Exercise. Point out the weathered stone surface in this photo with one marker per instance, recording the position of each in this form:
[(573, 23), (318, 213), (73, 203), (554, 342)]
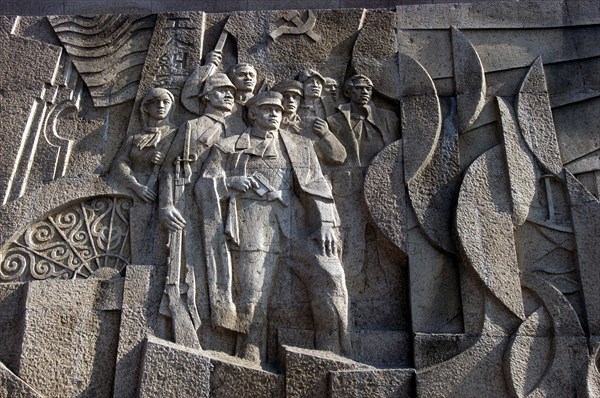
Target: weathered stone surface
[(69, 344), (321, 199), (473, 373), (504, 14), (520, 162), (173, 370), (232, 376), (584, 210), (485, 228), (470, 80), (373, 383), (11, 386), (535, 119), (307, 371), (137, 321)]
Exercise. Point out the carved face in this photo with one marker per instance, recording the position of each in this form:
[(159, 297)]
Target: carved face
[(244, 78), (360, 94), (266, 117), (312, 87), (291, 102), (331, 88), (159, 107), (221, 98)]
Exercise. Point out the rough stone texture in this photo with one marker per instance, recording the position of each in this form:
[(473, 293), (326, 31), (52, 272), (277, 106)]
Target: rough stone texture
[(69, 338), (377, 383), (231, 377), (413, 213), (11, 386), (307, 371), (187, 372)]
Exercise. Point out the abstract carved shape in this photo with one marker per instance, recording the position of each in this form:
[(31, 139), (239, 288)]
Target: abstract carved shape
[(108, 51), (433, 191), (420, 116), (70, 243), (520, 161), (299, 27), (375, 52), (469, 78), (535, 118), (485, 228), (385, 194), (553, 349), (585, 211), (431, 163)]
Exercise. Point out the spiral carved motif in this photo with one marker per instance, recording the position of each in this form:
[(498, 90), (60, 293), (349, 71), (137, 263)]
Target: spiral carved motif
[(70, 243)]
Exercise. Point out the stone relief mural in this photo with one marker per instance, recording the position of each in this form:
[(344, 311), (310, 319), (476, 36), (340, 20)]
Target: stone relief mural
[(317, 203)]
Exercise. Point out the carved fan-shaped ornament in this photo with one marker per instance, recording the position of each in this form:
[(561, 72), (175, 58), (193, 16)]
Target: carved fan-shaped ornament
[(71, 243)]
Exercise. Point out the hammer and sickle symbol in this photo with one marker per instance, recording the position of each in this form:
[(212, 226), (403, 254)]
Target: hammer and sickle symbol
[(299, 27)]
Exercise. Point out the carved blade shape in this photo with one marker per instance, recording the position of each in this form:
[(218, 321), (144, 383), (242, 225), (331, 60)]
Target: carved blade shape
[(420, 115), (585, 211), (535, 119), (485, 229), (521, 166), (469, 78), (385, 194)]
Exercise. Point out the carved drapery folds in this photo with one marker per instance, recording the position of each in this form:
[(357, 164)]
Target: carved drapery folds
[(72, 243)]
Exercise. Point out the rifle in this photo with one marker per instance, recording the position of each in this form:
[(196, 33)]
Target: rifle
[(186, 320)]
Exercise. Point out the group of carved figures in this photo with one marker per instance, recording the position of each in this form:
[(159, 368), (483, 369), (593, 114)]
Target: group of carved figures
[(270, 179)]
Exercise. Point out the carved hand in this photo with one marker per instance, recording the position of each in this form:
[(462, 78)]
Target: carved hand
[(214, 57), (320, 127), (145, 193), (158, 157), (171, 218), (242, 183), (327, 239)]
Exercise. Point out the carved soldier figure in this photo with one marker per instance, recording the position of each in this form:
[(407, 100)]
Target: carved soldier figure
[(179, 211), (327, 146), (243, 76), (312, 105), (364, 130), (330, 89), (255, 183)]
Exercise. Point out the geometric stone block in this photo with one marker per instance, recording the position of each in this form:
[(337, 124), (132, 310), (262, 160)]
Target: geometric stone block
[(11, 321), (170, 369), (69, 339), (233, 377), (372, 383), (307, 371), (133, 330)]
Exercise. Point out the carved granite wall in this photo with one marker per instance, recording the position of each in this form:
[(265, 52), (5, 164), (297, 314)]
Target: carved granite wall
[(306, 203)]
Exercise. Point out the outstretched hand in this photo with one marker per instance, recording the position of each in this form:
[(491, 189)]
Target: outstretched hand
[(327, 239)]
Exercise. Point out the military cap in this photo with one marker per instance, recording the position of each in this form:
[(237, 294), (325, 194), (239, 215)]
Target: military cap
[(215, 81), (307, 73), (289, 86), (265, 98)]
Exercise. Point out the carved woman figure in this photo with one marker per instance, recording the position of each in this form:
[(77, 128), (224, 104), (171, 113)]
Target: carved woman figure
[(140, 160), (137, 168)]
